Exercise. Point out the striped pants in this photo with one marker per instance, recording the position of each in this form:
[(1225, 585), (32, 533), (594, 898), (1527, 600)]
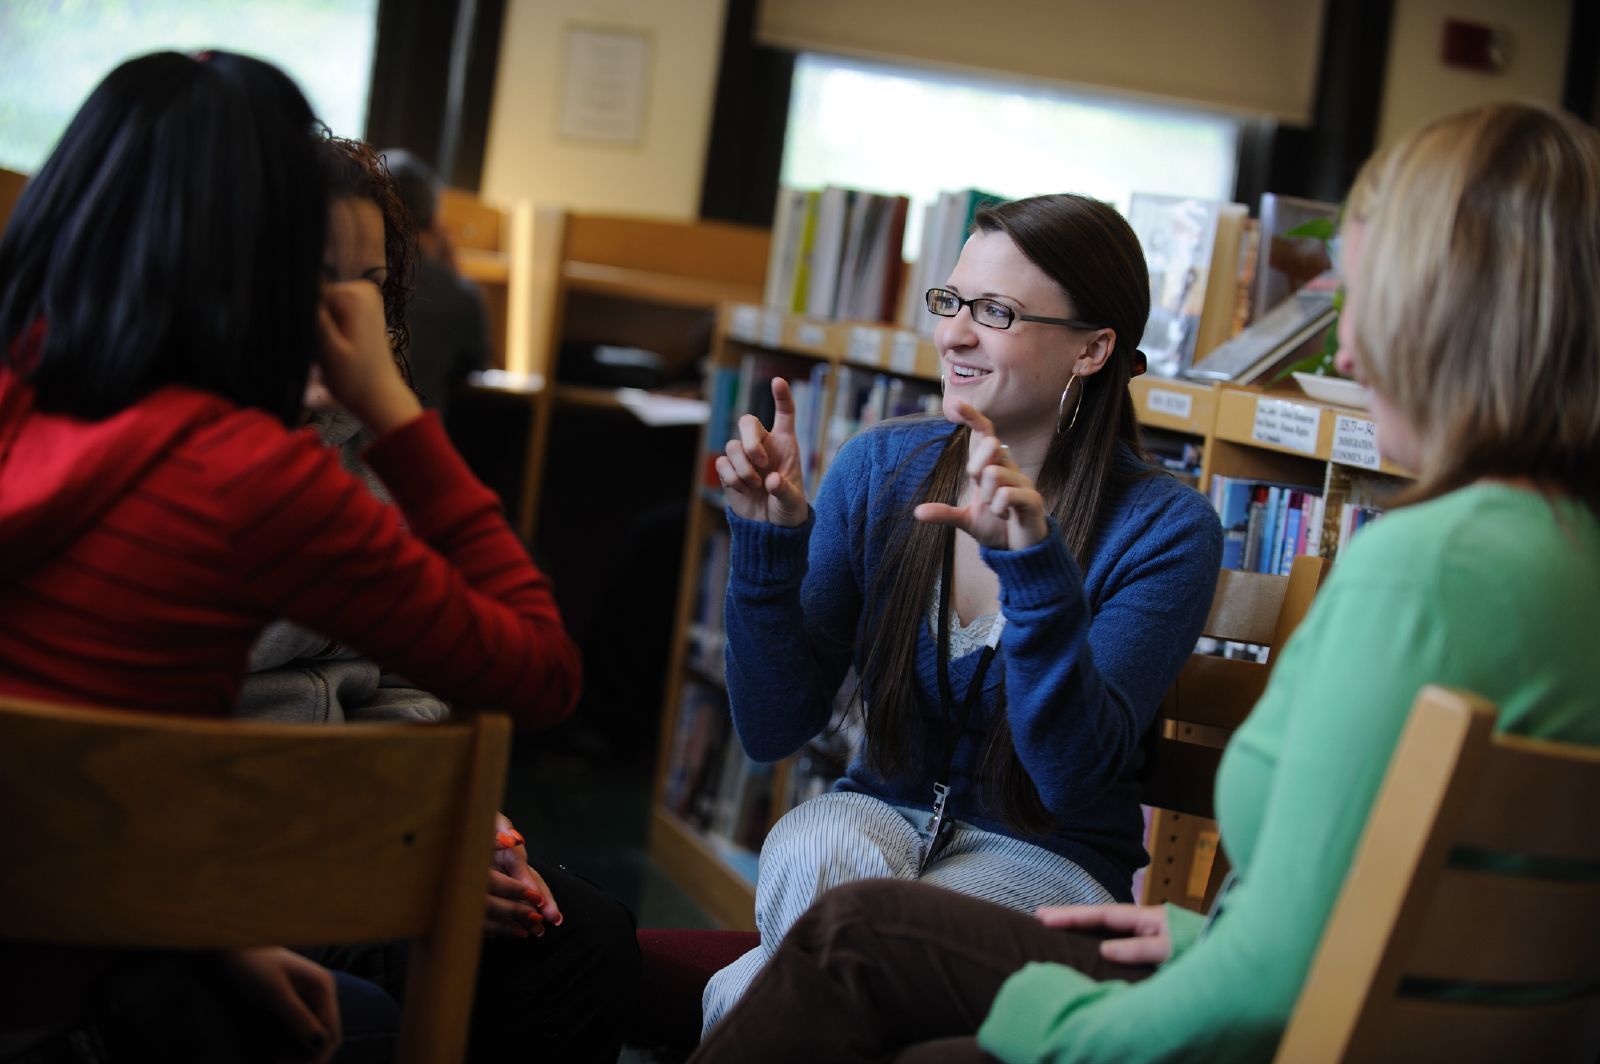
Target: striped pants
[(842, 836)]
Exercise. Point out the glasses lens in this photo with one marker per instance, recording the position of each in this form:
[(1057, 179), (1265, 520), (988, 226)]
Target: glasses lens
[(988, 312), (943, 303)]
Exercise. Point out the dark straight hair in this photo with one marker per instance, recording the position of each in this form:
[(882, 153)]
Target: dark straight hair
[(174, 236), (1091, 252)]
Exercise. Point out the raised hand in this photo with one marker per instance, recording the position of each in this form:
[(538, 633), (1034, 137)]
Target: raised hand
[(1001, 507), (1147, 939), (760, 471)]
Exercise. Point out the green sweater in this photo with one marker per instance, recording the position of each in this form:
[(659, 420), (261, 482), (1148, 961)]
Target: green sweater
[(1489, 588)]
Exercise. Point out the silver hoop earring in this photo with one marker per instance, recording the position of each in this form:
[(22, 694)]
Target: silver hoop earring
[(1062, 405), (941, 386)]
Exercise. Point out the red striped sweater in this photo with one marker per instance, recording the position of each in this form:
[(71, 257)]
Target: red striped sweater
[(141, 555)]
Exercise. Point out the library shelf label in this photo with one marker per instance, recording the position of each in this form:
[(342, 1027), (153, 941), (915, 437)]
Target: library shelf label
[(866, 346), (771, 329), (1285, 424), (1355, 442), (812, 335), (744, 323), (1173, 404), (903, 354)]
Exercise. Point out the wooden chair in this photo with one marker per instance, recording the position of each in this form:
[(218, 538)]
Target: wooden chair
[(1414, 917), (1211, 697), (132, 830)]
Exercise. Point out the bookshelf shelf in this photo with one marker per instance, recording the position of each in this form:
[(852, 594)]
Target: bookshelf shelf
[(1289, 423), (484, 267), (703, 870), (1180, 406), (869, 345), (563, 281), (583, 395), (700, 674), (647, 286)]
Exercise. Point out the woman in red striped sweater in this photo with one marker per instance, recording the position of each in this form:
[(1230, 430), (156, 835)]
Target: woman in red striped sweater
[(161, 306)]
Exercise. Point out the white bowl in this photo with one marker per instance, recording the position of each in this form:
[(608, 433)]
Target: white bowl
[(1333, 390)]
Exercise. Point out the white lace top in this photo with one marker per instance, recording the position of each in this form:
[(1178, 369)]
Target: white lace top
[(984, 630)]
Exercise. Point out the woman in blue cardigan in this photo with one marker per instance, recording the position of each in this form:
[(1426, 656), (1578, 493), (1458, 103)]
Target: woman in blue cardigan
[(1012, 583), (1472, 259)]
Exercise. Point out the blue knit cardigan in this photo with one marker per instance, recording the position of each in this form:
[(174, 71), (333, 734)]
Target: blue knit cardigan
[(1083, 658)]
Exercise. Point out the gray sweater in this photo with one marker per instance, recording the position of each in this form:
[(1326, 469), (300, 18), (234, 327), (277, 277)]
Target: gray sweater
[(298, 676)]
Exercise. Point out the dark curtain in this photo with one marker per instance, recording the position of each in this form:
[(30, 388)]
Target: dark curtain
[(748, 123), (1320, 161), (433, 82)]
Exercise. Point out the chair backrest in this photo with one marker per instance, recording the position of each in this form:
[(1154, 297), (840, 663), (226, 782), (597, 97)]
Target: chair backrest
[(1210, 698), (133, 830), (1479, 868)]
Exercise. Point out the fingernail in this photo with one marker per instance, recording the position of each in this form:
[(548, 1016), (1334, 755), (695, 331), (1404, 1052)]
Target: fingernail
[(533, 917), (518, 836), (506, 842), (538, 931), (557, 921), (533, 896)]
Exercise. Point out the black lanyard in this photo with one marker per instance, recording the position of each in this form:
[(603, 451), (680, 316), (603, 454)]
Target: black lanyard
[(940, 827)]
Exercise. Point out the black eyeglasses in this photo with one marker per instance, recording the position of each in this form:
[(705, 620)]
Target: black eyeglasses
[(994, 314)]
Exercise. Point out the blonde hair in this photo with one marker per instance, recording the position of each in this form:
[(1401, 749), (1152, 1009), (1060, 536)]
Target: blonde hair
[(1478, 317)]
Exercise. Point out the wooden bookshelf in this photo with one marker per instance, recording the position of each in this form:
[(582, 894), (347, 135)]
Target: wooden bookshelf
[(1298, 426), (1176, 405), (1235, 431), (701, 870), (494, 247), (626, 282)]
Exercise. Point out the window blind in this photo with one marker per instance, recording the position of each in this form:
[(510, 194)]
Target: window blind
[(1252, 57)]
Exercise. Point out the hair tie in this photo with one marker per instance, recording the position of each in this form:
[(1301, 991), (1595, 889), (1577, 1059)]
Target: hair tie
[(1141, 362)]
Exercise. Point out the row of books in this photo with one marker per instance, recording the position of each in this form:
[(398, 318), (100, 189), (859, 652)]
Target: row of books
[(1265, 526), (822, 761), (1358, 497), (945, 225), (1214, 271), (707, 632), (711, 782), (824, 418), (1177, 453), (836, 253)]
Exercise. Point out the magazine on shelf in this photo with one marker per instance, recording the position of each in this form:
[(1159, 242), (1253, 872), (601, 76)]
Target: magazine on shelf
[(1286, 264), (1286, 332), (1179, 238)]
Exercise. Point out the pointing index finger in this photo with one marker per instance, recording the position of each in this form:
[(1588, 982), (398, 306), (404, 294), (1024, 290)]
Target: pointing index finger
[(972, 417), (783, 416)]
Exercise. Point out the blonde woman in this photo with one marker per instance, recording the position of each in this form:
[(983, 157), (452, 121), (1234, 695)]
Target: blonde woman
[(1473, 263)]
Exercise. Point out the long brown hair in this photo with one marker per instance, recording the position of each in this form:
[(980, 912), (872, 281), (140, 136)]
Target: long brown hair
[(1091, 252)]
